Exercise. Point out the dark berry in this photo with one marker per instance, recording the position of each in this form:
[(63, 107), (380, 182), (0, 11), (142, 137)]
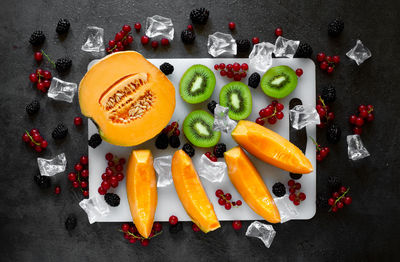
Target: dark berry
[(335, 27), (70, 222), (174, 229), (211, 106), (295, 176), (174, 141), (322, 200), (60, 131), (254, 80), (167, 68), (333, 133), (334, 183), (42, 181), (199, 16), (112, 199), (328, 93), (37, 38), (304, 50), (219, 150), (188, 36), (243, 45), (162, 141), (95, 140), (63, 64), (188, 149), (33, 107), (279, 189), (62, 26)]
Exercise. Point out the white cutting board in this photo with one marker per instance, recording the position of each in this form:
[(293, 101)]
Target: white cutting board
[(168, 201)]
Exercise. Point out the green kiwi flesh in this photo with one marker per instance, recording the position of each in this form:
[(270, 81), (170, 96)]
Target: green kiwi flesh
[(237, 97), (279, 81), (197, 84), (198, 129)]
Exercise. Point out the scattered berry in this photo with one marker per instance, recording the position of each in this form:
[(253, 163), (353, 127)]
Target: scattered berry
[(299, 72), (279, 189), (137, 27), (37, 38), (63, 26), (63, 64), (162, 141), (188, 149), (167, 68), (304, 51), (333, 134), (254, 80), (188, 36), (78, 121), (95, 140), (322, 152), (174, 141), (70, 222), (255, 40), (173, 220), (60, 131), (38, 56), (278, 31), (199, 16), (112, 199), (154, 44), (164, 42), (335, 27), (33, 107), (42, 181), (144, 40), (237, 224), (232, 26), (219, 150), (195, 228), (243, 45)]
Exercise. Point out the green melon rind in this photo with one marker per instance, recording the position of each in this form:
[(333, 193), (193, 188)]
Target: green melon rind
[(187, 130), (244, 89), (281, 93), (200, 98)]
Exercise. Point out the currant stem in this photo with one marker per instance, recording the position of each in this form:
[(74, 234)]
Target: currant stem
[(31, 138), (140, 237), (48, 58), (338, 199), (315, 143)]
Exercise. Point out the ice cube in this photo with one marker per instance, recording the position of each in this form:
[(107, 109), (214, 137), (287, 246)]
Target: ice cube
[(94, 40), (286, 208), (159, 26), (162, 166), (285, 47), (261, 56), (95, 208), (303, 115), (212, 171), (359, 53), (355, 148), (220, 43), (53, 166), (62, 90), (222, 122), (262, 231)]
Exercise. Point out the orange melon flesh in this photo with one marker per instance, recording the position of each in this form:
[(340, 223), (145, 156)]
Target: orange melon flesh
[(270, 147), (141, 189), (248, 182), (114, 93), (191, 193)]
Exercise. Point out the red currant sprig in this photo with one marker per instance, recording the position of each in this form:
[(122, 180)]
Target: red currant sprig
[(132, 235), (327, 63), (172, 129), (35, 140), (80, 177), (121, 40), (338, 200), (365, 113), (295, 197), (236, 71), (271, 113), (322, 152), (42, 79), (225, 200), (324, 112), (113, 173)]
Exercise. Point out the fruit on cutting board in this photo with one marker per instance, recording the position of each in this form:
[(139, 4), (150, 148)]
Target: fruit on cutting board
[(198, 129), (141, 189), (128, 98), (279, 81), (270, 147), (191, 193), (248, 182), (237, 97), (197, 84)]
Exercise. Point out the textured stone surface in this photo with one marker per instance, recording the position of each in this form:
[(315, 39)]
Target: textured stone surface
[(32, 221)]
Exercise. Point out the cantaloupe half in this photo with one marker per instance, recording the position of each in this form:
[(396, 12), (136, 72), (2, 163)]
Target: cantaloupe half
[(270, 147), (191, 193), (248, 182), (128, 98), (141, 189)]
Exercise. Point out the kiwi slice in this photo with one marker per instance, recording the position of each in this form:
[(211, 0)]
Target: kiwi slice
[(237, 97), (279, 81), (197, 84), (198, 129)]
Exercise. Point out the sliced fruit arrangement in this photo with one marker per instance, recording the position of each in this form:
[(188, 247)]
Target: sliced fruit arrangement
[(128, 98), (191, 193), (198, 129), (279, 81), (237, 97), (270, 147), (248, 182), (141, 189), (197, 84)]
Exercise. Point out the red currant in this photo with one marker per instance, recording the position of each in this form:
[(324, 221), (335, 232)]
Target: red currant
[(119, 36), (216, 67), (323, 65), (255, 40), (38, 56), (129, 40), (72, 177), (237, 77), (102, 191), (125, 227), (336, 59), (279, 115), (85, 173), (236, 67), (157, 227), (221, 202), (138, 26), (238, 202), (343, 189), (232, 26), (33, 78), (320, 57), (228, 196), (292, 197), (120, 176), (78, 167), (237, 224), (260, 121), (154, 44), (359, 122), (164, 42), (370, 117), (57, 190), (173, 220), (357, 130), (75, 184), (84, 184), (279, 107), (299, 72), (335, 194), (331, 201), (126, 28), (272, 120), (330, 69), (84, 160), (195, 228), (291, 182), (347, 200), (78, 121), (144, 242), (109, 156), (105, 185), (352, 119), (228, 206), (340, 205), (219, 192), (278, 31), (296, 202), (190, 27), (302, 196), (144, 40), (244, 66)]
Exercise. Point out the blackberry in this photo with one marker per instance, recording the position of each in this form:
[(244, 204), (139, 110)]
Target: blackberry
[(112, 199), (322, 200), (254, 80), (188, 149), (188, 36), (279, 189), (304, 50), (334, 183), (211, 106), (42, 181), (174, 141), (333, 133), (199, 16), (173, 229), (33, 107), (162, 141), (95, 140), (62, 26), (37, 38), (328, 93), (219, 150), (70, 222), (60, 131), (295, 176), (63, 64), (243, 45), (167, 68), (335, 27)]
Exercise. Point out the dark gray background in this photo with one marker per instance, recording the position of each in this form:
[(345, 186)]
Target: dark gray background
[(32, 221)]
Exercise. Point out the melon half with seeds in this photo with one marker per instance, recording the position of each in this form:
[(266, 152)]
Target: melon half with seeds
[(128, 98)]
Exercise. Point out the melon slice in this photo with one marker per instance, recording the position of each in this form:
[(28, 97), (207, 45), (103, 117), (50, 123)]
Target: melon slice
[(191, 193), (141, 189), (248, 182), (270, 147)]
